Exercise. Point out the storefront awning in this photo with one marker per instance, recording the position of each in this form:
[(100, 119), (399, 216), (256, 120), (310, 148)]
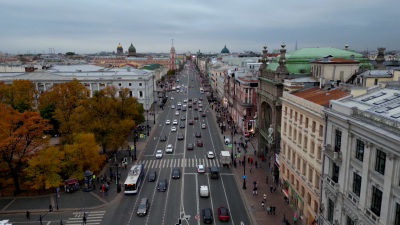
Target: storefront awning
[(294, 192)]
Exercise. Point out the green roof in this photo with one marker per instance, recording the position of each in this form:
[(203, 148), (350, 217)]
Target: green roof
[(151, 66), (225, 50), (132, 48), (300, 59)]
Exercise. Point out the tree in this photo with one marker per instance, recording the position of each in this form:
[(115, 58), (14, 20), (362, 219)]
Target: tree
[(70, 53), (170, 72), (43, 169), (20, 94), (20, 138), (47, 112), (82, 155)]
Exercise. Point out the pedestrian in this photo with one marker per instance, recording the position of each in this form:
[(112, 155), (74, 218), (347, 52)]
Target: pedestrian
[(254, 190), (294, 220), (266, 179), (273, 209), (252, 207), (262, 205), (240, 163), (254, 183), (265, 197), (28, 215), (110, 170), (256, 164), (98, 179), (268, 210), (250, 170), (271, 188), (224, 138)]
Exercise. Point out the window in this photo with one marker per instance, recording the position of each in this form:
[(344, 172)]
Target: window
[(338, 140), (284, 127), (317, 181), (305, 142), (295, 116), (335, 172), (130, 94), (298, 163), (314, 126), (300, 138), (130, 84), (380, 161), (141, 94), (304, 168), (360, 150), (306, 123), (397, 218), (312, 148), (349, 221), (321, 130), (246, 90), (310, 175), (294, 134), (308, 198), (319, 151), (289, 153), (376, 201), (291, 113), (331, 209), (315, 206), (286, 111), (376, 82), (301, 119), (140, 84), (297, 185), (357, 184), (302, 191), (290, 131), (119, 84)]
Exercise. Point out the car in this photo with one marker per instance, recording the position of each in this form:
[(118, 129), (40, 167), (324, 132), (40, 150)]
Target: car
[(152, 176), (210, 155), (200, 105), (189, 146), (169, 149), (172, 107), (201, 99), (203, 126), (197, 134), (173, 129), (194, 102), (172, 98), (180, 136), (159, 154), (163, 138), (185, 100), (200, 109), (203, 115), (177, 113), (183, 118), (182, 125), (195, 108), (223, 213), (195, 117), (204, 191), (162, 185), (190, 99), (143, 207), (179, 103), (178, 107), (207, 215), (190, 122), (201, 169), (176, 173), (167, 122), (199, 143)]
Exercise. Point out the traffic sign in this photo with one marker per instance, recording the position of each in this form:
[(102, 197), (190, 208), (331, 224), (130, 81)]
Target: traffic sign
[(238, 154), (244, 176), (141, 136), (196, 217), (132, 147), (229, 145)]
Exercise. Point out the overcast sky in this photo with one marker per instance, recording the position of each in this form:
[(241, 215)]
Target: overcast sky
[(89, 26)]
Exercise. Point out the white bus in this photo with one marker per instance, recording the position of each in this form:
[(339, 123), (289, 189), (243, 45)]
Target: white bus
[(201, 90), (134, 179)]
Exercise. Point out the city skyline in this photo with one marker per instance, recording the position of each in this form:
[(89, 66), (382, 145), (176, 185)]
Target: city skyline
[(84, 27)]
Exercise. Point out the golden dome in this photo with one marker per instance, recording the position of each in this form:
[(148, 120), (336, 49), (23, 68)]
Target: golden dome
[(119, 45)]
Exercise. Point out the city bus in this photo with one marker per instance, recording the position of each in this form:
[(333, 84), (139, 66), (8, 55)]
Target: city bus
[(134, 179), (201, 90)]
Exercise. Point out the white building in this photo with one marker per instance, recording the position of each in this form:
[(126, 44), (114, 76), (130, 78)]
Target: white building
[(361, 168), (139, 82)]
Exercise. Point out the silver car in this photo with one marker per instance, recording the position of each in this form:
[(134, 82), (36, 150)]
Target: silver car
[(143, 207)]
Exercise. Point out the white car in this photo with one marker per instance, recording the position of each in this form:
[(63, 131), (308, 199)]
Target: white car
[(203, 126), (159, 154), (200, 169), (167, 122), (185, 100), (172, 98), (200, 110), (179, 103), (169, 149), (210, 155), (177, 113), (204, 192), (175, 122), (173, 129), (172, 107)]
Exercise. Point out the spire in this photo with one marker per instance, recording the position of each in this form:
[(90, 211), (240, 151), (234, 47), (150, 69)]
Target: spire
[(172, 42)]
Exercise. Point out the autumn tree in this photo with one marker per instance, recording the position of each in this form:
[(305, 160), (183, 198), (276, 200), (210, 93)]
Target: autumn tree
[(43, 169), (21, 95), (82, 155), (20, 139)]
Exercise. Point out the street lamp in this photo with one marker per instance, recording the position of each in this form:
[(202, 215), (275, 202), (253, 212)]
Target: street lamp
[(231, 144), (147, 111), (244, 170), (154, 100), (134, 144)]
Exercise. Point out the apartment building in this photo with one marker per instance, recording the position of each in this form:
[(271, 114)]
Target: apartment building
[(361, 168), (301, 147)]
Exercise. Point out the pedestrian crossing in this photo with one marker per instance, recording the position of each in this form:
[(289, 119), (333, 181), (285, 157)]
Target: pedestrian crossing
[(93, 218), (170, 163)]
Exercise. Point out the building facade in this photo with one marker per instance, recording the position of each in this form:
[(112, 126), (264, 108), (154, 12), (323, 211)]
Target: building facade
[(361, 167)]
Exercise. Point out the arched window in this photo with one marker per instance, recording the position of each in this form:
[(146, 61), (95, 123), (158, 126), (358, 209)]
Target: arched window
[(141, 94)]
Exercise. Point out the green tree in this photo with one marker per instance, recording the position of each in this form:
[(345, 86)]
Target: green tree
[(70, 53), (20, 94), (47, 112), (170, 72)]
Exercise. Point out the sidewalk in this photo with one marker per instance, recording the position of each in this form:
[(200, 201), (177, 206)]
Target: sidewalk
[(80, 199), (259, 215)]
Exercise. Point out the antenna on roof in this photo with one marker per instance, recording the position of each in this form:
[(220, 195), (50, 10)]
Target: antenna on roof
[(172, 42)]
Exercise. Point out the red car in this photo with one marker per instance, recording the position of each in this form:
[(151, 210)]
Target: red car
[(190, 122), (223, 213), (195, 117), (201, 99), (200, 143), (195, 109)]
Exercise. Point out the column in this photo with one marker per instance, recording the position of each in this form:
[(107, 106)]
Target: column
[(365, 184), (386, 189)]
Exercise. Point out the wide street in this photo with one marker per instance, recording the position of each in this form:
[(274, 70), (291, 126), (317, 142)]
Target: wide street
[(182, 195)]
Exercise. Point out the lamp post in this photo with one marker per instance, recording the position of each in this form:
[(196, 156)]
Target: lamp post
[(154, 102), (244, 170), (231, 145), (147, 111), (134, 144)]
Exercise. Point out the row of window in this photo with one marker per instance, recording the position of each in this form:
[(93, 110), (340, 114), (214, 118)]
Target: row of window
[(297, 137), (130, 84), (303, 120)]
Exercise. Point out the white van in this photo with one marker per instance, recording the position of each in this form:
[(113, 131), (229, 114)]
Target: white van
[(204, 193)]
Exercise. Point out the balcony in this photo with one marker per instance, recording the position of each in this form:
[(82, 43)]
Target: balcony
[(372, 215), (247, 104), (336, 156), (352, 197), (332, 183)]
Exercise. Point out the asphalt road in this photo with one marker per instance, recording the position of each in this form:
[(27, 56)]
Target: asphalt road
[(182, 196)]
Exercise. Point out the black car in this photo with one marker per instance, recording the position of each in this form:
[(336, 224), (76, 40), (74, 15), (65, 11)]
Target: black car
[(197, 134), (163, 138), (207, 215), (152, 176), (203, 115), (189, 146), (196, 118), (180, 136), (182, 125), (162, 185), (183, 118), (176, 173), (143, 207)]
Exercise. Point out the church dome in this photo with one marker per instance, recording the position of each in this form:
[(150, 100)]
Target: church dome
[(225, 50), (132, 48), (119, 48)]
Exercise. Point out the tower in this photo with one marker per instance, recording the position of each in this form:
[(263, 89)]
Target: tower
[(172, 57), (120, 50)]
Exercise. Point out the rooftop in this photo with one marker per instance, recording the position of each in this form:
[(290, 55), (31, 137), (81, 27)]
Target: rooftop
[(320, 96), (377, 73), (337, 60)]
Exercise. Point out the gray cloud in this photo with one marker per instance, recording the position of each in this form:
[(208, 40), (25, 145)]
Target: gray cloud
[(92, 26)]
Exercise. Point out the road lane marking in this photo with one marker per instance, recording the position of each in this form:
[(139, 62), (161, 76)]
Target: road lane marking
[(227, 202)]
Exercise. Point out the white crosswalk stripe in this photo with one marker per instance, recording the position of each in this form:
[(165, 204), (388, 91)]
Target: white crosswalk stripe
[(170, 163), (94, 217)]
